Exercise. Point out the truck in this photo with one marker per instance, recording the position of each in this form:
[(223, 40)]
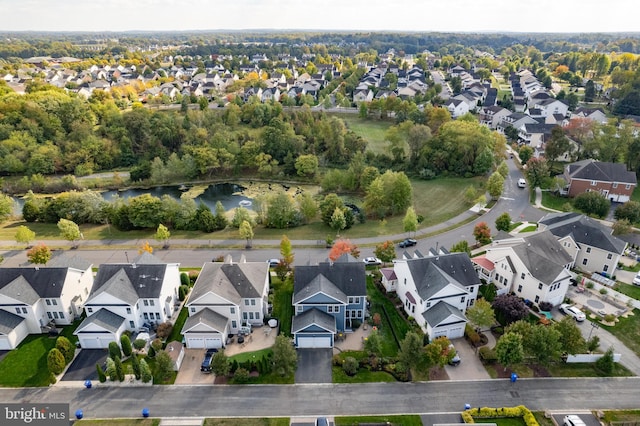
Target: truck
[(208, 360)]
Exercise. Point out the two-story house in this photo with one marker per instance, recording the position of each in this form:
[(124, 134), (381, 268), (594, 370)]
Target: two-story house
[(536, 267), (34, 296), (597, 249), (436, 291), (612, 180), (328, 298), (126, 296), (225, 297)]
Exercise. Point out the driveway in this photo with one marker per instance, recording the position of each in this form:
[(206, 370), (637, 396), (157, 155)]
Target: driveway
[(470, 367), (314, 366), (587, 417), (189, 373), (83, 367)]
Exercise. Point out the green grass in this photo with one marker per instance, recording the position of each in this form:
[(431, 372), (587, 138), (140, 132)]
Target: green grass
[(282, 308), (26, 366), (503, 421), (553, 201), (632, 416), (269, 379), (373, 131), (627, 330), (632, 291), (514, 226), (542, 419), (119, 422), (363, 376), (278, 421), (586, 370), (407, 420), (177, 327), (169, 380), (529, 228), (245, 356)]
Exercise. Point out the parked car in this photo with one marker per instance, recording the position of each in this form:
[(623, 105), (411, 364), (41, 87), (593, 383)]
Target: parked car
[(456, 358), (636, 279), (372, 261), (207, 360), (273, 262), (322, 421), (571, 310), (573, 420), (408, 242), (522, 183)]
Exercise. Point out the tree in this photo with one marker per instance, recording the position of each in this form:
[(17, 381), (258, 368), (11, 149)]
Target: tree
[(55, 361), (338, 221), (606, 363), (629, 210), (220, 365), (6, 207), (481, 314), (164, 365), (281, 211), (525, 152), (461, 247), (66, 348), (544, 344), (119, 368), (220, 218), (503, 169), (621, 227), (328, 206), (145, 247), (341, 247), (135, 366), (24, 235), (69, 230), (285, 358), (482, 233), (411, 351), (307, 206), (125, 343), (162, 235), (286, 252), (389, 194), (39, 255), (111, 370), (537, 171), (570, 337), (503, 222), (410, 221), (509, 349), (145, 371), (246, 232), (495, 185), (164, 330), (439, 352), (385, 251), (306, 165), (114, 350), (101, 376), (373, 343), (509, 308), (592, 203), (557, 145)]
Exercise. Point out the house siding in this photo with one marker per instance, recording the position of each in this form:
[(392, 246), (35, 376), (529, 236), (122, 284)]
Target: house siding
[(620, 194)]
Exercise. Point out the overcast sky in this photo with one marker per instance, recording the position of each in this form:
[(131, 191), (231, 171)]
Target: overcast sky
[(407, 15)]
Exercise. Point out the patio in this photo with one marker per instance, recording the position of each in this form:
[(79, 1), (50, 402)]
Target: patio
[(353, 341), (260, 338), (593, 301)]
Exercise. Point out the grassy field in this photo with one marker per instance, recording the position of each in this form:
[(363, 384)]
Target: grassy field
[(632, 416), (407, 420), (373, 131), (628, 331)]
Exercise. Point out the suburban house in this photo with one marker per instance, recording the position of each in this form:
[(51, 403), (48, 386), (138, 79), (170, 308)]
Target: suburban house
[(612, 180), (456, 107), (226, 299), (597, 249), (328, 298), (436, 291), (536, 268), (491, 116), (389, 279), (35, 296), (128, 296), (594, 114)]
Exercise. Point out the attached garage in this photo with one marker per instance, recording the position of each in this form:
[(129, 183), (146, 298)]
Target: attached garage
[(314, 342), (100, 329), (13, 329), (444, 320), (91, 341), (313, 329), (450, 333), (205, 329)]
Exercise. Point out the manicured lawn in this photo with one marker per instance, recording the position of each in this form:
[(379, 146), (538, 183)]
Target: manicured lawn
[(282, 308), (169, 380), (628, 331), (529, 228), (279, 421), (628, 289), (503, 421), (245, 356), (373, 131), (586, 370), (27, 365), (177, 327), (631, 416), (119, 422), (553, 201), (408, 420), (269, 379), (363, 376)]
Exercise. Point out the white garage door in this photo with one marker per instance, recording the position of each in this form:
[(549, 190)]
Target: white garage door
[(195, 342), (450, 333), (4, 343), (213, 342), (314, 342), (95, 343)]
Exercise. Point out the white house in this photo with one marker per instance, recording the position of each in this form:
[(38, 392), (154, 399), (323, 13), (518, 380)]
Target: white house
[(32, 297), (436, 291), (456, 107), (226, 297), (128, 297)]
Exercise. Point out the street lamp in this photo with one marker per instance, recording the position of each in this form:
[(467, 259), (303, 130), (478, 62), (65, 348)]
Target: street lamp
[(593, 327)]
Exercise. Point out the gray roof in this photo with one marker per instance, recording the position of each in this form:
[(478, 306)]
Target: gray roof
[(234, 282), (543, 256), (349, 278), (313, 316), (74, 262), (602, 171), (320, 284), (103, 318), (9, 321), (147, 258), (208, 317), (130, 282), (431, 274), (32, 283), (583, 230), (441, 311)]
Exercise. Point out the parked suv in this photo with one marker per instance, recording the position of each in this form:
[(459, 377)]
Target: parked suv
[(207, 361), (573, 420)]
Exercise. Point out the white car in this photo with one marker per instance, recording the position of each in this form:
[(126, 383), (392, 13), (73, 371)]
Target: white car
[(573, 420), (571, 310), (636, 279), (522, 183), (372, 261)]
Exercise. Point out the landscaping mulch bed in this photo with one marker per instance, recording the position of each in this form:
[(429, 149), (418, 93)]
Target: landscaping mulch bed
[(438, 373)]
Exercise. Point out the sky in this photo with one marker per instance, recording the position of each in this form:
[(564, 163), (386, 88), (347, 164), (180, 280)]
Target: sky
[(365, 15)]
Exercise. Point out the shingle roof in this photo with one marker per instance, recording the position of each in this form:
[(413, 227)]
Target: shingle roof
[(64, 261), (103, 318), (234, 281), (603, 171), (583, 230), (207, 317), (130, 282), (543, 256), (313, 316), (9, 321), (31, 283), (347, 277), (319, 284), (441, 311), (431, 274)]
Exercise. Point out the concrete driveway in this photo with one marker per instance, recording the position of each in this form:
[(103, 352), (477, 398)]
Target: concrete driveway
[(314, 366), (587, 417), (470, 367), (189, 373), (83, 367)]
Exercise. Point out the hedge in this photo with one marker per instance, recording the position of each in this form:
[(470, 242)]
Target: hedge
[(492, 413)]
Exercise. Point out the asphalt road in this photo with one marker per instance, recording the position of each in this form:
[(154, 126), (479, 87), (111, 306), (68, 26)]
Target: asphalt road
[(337, 399)]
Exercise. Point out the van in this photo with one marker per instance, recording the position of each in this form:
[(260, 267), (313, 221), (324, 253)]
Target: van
[(522, 183), (573, 420)]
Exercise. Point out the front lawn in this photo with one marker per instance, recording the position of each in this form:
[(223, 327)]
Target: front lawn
[(363, 376), (627, 330), (177, 327), (559, 369), (553, 201), (407, 420), (26, 366), (282, 308), (118, 422), (632, 291), (503, 421), (278, 421), (529, 228), (263, 379)]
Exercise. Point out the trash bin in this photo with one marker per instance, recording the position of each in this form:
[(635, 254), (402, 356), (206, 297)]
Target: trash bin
[(87, 384), (145, 412), (514, 377), (467, 406), (79, 414)]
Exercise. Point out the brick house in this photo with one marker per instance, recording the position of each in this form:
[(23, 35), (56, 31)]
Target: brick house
[(612, 180)]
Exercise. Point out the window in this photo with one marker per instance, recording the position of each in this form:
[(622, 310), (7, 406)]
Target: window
[(234, 324), (24, 310), (257, 315), (54, 301), (498, 277), (522, 276), (128, 310), (49, 315), (17, 310), (246, 302), (615, 185), (350, 300), (244, 315), (627, 186), (131, 324), (593, 183), (55, 315), (413, 309), (152, 303), (359, 313), (336, 309), (506, 282), (462, 299), (609, 256), (193, 310), (90, 310), (606, 268), (520, 288), (253, 302), (145, 302), (584, 261), (428, 304), (330, 308), (299, 308), (48, 302), (61, 315), (588, 250), (146, 316), (537, 299), (357, 299), (157, 315), (250, 315), (539, 286), (232, 310)]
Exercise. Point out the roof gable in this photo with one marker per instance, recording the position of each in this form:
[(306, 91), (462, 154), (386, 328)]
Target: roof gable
[(130, 282), (35, 282), (583, 230)]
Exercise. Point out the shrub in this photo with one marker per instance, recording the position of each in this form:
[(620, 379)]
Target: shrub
[(487, 355), (114, 350), (589, 285), (604, 291), (125, 342), (55, 361), (241, 375), (182, 292), (119, 369), (605, 364), (184, 279), (139, 344), (66, 348), (471, 335), (610, 318), (350, 366), (545, 306), (156, 344), (135, 366), (145, 371), (101, 376), (164, 330)]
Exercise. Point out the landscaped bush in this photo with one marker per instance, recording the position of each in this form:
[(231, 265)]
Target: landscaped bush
[(66, 348), (492, 413), (604, 291), (487, 355), (101, 376), (184, 279), (164, 330), (125, 342), (114, 350), (350, 366), (471, 335), (241, 375), (139, 344), (55, 361)]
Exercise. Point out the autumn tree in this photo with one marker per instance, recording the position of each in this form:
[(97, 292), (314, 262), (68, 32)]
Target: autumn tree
[(410, 221), (246, 232), (286, 252), (509, 308), (39, 254), (482, 233), (145, 247), (385, 251), (69, 231), (24, 235), (343, 246), (439, 352), (162, 235)]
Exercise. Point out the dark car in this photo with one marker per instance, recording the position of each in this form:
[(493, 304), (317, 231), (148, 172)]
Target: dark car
[(407, 243), (208, 359)]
